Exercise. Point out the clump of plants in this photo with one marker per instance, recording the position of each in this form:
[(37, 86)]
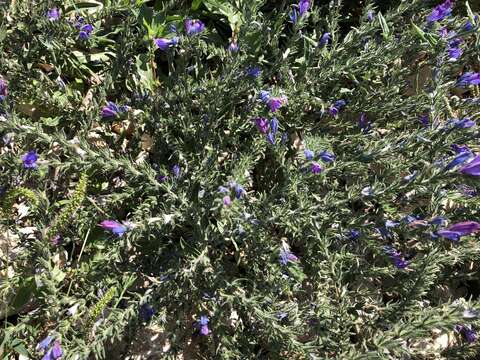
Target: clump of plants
[(243, 179)]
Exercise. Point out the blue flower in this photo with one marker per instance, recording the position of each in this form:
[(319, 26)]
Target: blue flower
[(203, 324), (271, 138), (396, 257), (233, 47), (53, 14), (459, 159), (469, 78), (440, 12), (274, 126), (293, 15), (176, 170), (425, 120), (264, 96), (3, 89), (363, 123), (163, 44), (54, 353), (85, 32), (193, 27), (239, 191), (146, 312), (286, 256), (114, 226), (353, 234), (370, 15), (43, 345), (30, 160), (303, 6), (253, 71), (309, 154), (327, 156), (111, 110), (454, 50), (325, 39)]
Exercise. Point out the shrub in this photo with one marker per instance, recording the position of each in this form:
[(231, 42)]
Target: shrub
[(252, 179)]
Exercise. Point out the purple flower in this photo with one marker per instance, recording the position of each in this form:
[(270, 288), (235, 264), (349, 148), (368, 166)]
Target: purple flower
[(223, 190), (233, 47), (43, 345), (459, 159), (459, 149), (339, 104), (293, 15), (325, 39), (363, 123), (425, 120), (468, 332), (111, 110), (333, 111), (274, 103), (327, 156), (3, 89), (454, 232), (454, 50), (396, 257), (114, 226), (227, 201), (468, 26), (271, 138), (264, 96), (467, 190), (469, 78), (274, 125), (162, 43), (440, 12), (176, 170), (253, 71), (193, 27), (370, 15), (30, 160), (203, 324), (353, 234), (303, 6), (53, 14), (462, 123), (146, 312), (309, 154), (85, 32), (239, 191), (472, 168), (315, 168), (54, 353), (262, 124), (286, 256)]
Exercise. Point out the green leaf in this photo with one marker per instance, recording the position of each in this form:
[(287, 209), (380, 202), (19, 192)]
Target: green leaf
[(384, 26), (24, 293), (196, 4)]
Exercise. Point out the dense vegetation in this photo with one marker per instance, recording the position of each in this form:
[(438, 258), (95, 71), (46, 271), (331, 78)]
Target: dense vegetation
[(243, 179)]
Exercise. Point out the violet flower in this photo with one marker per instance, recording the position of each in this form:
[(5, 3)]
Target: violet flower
[(176, 170), (253, 71), (3, 89), (456, 231), (203, 324), (53, 14), (239, 191), (233, 47), (274, 126), (440, 11), (472, 168), (163, 44), (325, 39), (396, 257), (54, 353), (303, 7), (193, 27), (309, 154), (85, 32), (468, 332), (111, 110), (424, 120), (327, 156), (293, 15), (370, 15), (469, 78), (274, 103), (146, 312), (264, 95), (262, 124), (30, 160), (227, 201), (454, 50), (43, 345), (286, 256), (315, 168), (114, 226)]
